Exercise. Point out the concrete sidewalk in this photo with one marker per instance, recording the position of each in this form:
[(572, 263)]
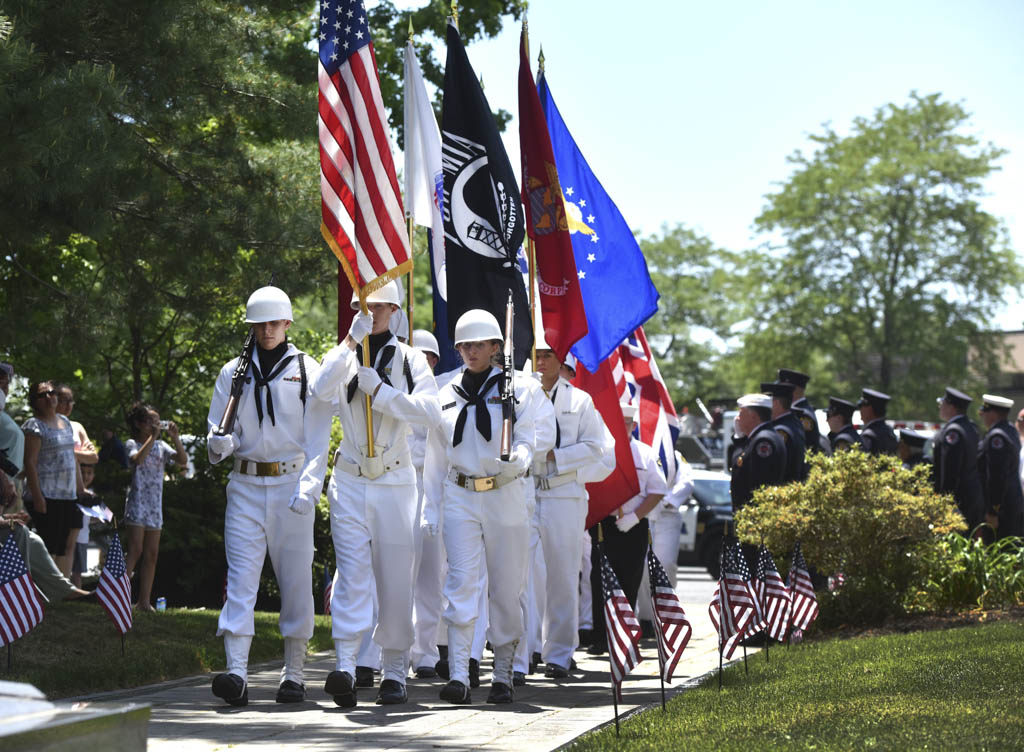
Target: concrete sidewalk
[(186, 717)]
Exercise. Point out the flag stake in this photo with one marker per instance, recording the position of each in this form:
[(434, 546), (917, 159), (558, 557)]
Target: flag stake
[(657, 626), (607, 634), (721, 610)]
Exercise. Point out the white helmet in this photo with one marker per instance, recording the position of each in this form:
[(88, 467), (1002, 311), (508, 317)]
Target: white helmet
[(425, 341), (398, 324), (268, 304), (476, 325), (389, 293), (570, 362), (629, 410), (539, 343)]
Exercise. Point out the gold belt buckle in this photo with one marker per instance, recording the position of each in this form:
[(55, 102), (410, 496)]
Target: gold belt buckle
[(483, 484), (267, 468)]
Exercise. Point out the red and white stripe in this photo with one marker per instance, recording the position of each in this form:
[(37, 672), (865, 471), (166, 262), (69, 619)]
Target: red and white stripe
[(673, 629), (363, 218), (805, 602), (742, 612), (776, 603), (623, 637), (20, 607)]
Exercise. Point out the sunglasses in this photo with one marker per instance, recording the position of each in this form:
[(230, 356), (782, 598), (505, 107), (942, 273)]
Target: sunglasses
[(48, 393)]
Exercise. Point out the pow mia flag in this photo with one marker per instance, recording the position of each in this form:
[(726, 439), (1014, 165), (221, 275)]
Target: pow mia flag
[(483, 216)]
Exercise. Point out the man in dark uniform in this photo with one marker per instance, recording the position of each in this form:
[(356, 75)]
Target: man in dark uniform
[(763, 460), (956, 458), (789, 426), (802, 408), (842, 435), (999, 467), (876, 437), (910, 448)]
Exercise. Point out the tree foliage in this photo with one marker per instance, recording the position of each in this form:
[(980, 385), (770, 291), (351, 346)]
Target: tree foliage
[(888, 267)]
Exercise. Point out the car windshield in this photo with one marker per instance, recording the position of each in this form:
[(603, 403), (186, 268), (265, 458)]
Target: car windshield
[(712, 491)]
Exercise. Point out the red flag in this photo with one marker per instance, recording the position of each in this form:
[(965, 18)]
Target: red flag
[(561, 301), (361, 206), (622, 484)]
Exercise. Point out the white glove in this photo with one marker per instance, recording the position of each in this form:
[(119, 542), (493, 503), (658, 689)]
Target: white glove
[(517, 462), (222, 446), (627, 522), (368, 379), (431, 530), (300, 504), (362, 325)]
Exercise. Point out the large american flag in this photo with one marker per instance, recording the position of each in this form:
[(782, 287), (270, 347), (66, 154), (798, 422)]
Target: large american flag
[(805, 602), (734, 608), (362, 214), (115, 587), (20, 607), (638, 379), (623, 628), (671, 624), (773, 595)]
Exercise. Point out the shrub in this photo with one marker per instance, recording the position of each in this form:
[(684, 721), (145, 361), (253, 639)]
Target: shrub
[(858, 515), (959, 572)]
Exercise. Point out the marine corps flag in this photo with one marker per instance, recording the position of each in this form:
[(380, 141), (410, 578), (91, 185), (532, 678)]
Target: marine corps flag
[(561, 301), (483, 218)]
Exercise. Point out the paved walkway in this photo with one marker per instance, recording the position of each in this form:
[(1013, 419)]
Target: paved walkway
[(186, 717)]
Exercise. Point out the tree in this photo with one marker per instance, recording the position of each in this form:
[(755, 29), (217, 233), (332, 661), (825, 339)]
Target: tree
[(695, 311), (889, 268)]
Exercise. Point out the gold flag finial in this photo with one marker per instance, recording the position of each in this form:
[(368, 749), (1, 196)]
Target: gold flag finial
[(526, 31), (540, 59), (455, 13), (411, 32)]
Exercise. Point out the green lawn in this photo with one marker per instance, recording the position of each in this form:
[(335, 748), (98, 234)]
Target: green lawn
[(77, 650), (948, 689)]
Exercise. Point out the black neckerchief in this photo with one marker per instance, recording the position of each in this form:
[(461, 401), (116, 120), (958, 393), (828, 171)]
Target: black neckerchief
[(474, 389), (377, 341), (269, 360), (558, 428)]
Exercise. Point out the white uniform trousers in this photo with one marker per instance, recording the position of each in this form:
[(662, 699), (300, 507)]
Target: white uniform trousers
[(429, 578), (258, 522), (371, 522), (586, 602), (560, 522), (487, 528), (532, 601), (665, 527)]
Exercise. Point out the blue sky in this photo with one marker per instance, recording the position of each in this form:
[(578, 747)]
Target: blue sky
[(687, 111)]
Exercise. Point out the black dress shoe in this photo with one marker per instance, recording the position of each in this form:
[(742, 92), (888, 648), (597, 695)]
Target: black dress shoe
[(500, 694), (597, 648), (518, 679), (536, 659), (554, 671), (426, 672), (231, 689), (646, 629), (290, 691), (455, 692), (441, 667), (342, 687), (391, 692), (572, 664), (474, 673), (442, 652), (364, 676), (586, 637)]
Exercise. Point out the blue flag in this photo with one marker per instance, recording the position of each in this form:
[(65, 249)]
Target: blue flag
[(449, 358), (618, 294)]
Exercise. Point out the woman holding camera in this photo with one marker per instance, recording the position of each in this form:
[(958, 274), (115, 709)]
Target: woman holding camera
[(143, 510)]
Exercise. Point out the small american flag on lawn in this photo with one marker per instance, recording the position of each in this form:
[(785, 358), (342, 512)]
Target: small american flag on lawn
[(115, 587), (734, 609), (623, 628), (328, 590), (773, 595), (20, 607), (805, 602), (670, 620)]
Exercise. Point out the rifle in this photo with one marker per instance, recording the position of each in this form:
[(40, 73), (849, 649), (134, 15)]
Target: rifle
[(508, 383), (227, 420)]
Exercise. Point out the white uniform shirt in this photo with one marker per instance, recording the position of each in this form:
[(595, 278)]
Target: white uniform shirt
[(296, 430), (474, 456), (394, 408), (682, 488), (648, 473), (581, 437)]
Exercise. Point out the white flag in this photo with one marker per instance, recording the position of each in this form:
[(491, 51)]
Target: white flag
[(424, 180)]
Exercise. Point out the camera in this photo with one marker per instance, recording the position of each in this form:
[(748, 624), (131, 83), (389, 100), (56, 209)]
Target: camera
[(164, 425)]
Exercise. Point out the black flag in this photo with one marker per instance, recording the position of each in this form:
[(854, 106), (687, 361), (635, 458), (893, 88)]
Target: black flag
[(483, 216)]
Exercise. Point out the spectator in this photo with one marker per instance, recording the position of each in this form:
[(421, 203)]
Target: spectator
[(85, 452), (48, 579), (54, 480), (80, 563), (143, 510), (113, 449), (12, 441)]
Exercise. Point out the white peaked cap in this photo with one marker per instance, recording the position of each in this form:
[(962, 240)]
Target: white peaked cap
[(755, 400)]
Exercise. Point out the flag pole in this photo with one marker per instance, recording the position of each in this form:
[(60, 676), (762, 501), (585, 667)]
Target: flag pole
[(531, 254), (721, 612), (369, 399), (657, 621), (411, 231), (607, 636)]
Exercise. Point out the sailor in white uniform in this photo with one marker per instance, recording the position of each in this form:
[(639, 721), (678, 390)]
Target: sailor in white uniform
[(279, 446)]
